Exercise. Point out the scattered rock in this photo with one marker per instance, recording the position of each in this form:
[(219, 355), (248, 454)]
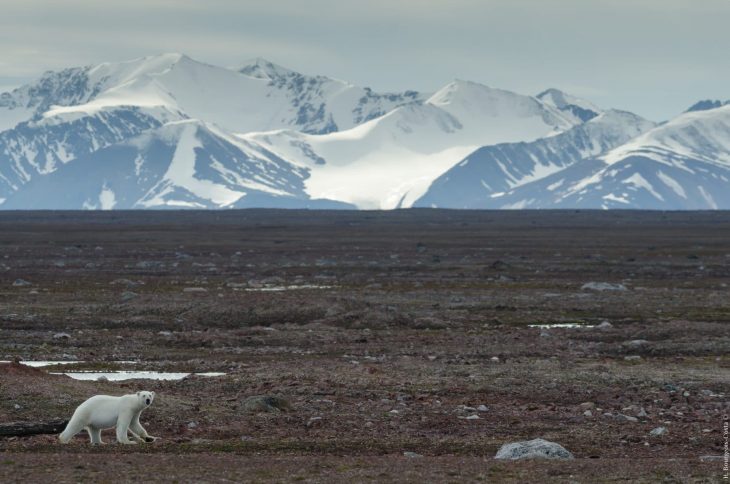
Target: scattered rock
[(314, 422), (603, 286), (587, 406), (642, 413), (626, 418), (712, 458), (482, 408), (17, 407), (192, 425), (533, 449), (632, 358), (499, 265), (102, 379), (265, 403), (412, 455), (21, 283), (635, 343), (659, 431), (195, 289), (61, 336), (128, 296), (587, 413), (473, 417), (605, 325), (124, 282)]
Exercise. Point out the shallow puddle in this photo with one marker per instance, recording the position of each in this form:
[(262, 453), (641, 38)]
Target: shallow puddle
[(117, 375), (132, 375)]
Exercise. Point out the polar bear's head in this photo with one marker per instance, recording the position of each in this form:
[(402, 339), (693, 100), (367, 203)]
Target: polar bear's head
[(145, 398)]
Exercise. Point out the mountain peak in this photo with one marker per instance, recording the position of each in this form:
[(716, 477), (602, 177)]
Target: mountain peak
[(261, 68), (706, 105), (580, 108)]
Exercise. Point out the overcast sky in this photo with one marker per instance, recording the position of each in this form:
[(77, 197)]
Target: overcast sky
[(653, 57)]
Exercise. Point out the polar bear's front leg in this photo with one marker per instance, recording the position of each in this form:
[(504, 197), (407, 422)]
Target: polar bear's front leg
[(137, 428), (123, 422)]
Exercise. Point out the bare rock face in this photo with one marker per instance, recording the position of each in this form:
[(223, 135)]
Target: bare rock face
[(265, 403), (533, 449)]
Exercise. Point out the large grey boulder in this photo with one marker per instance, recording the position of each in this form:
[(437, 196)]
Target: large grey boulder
[(533, 449), (265, 403)]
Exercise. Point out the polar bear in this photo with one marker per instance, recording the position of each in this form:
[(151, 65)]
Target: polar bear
[(104, 412)]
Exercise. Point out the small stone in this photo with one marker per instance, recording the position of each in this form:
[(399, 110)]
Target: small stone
[(473, 417), (195, 289), (192, 425), (494, 359), (21, 282), (17, 407), (482, 408), (314, 422), (626, 418), (368, 424), (102, 379), (642, 413), (605, 325), (394, 412), (632, 358), (712, 458), (685, 394), (602, 286), (545, 333), (587, 413), (61, 336), (128, 296), (659, 431), (165, 333), (412, 455), (587, 406)]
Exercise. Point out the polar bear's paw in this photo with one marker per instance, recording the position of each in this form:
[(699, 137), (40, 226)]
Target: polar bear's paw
[(149, 438)]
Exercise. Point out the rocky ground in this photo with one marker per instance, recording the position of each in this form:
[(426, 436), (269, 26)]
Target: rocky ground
[(403, 343)]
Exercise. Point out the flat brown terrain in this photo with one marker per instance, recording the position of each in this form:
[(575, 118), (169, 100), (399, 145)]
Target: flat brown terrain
[(384, 332)]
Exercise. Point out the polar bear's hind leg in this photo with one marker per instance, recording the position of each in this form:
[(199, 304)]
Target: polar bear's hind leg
[(73, 427), (95, 435)]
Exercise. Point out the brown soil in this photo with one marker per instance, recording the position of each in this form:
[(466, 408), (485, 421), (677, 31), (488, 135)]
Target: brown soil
[(397, 322)]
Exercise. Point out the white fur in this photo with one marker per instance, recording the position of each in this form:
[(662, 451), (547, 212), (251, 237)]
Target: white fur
[(104, 412)]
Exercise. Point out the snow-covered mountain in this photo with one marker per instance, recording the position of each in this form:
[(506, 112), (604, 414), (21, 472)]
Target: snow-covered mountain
[(260, 96), (169, 132), (480, 179), (390, 161), (680, 165), (183, 164)]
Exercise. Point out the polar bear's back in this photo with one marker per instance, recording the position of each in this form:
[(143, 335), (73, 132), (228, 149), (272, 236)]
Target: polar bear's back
[(101, 411)]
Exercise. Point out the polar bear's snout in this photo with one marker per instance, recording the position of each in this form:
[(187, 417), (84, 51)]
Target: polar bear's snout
[(148, 401)]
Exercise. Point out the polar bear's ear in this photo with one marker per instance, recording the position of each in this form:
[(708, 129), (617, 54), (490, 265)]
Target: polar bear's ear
[(153, 394), (138, 393)]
